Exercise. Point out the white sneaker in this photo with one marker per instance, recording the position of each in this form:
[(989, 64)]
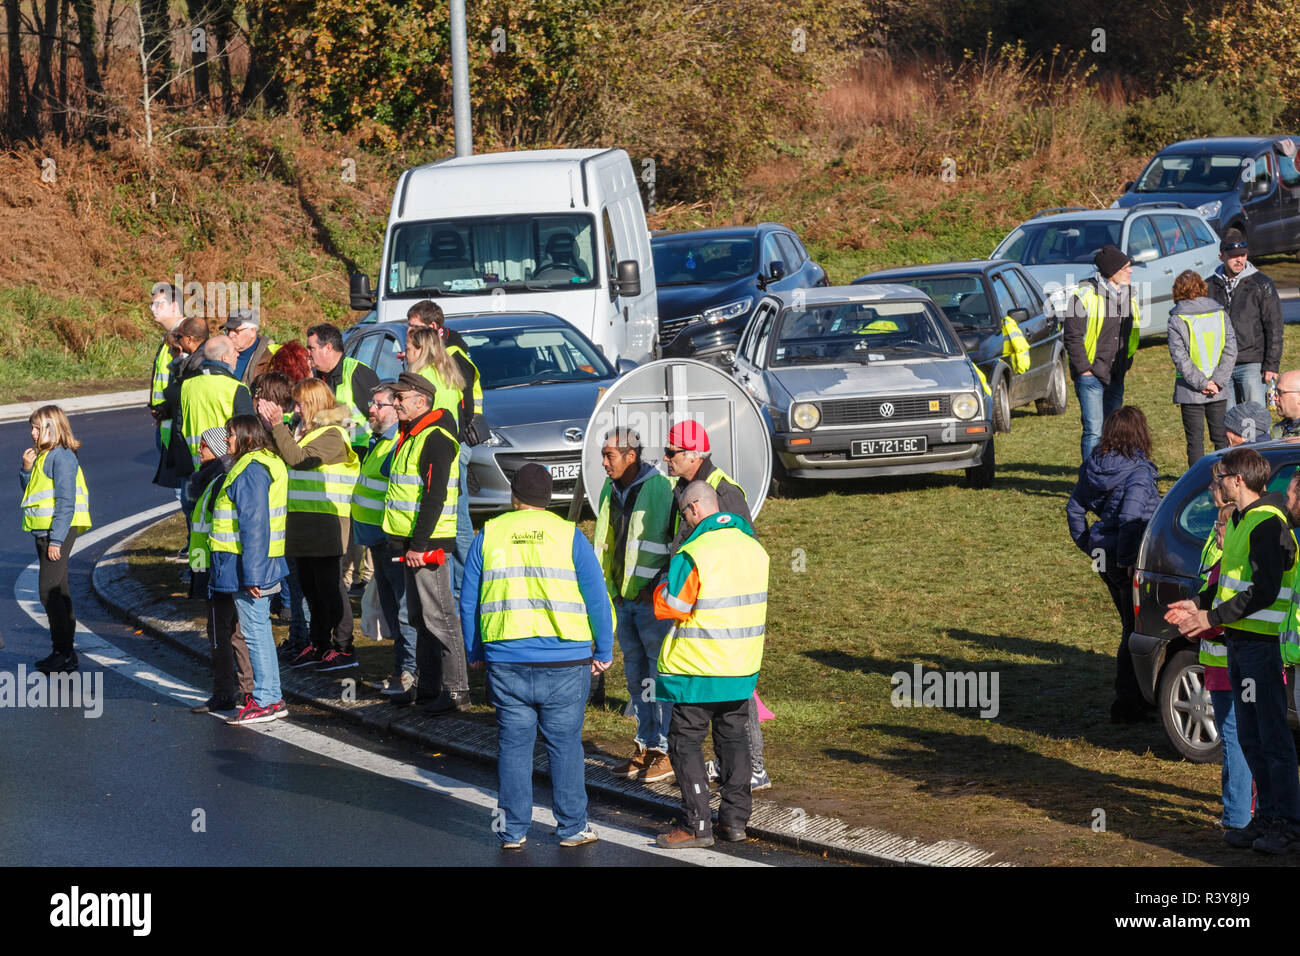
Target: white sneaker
[(585, 836), (395, 684), (711, 770)]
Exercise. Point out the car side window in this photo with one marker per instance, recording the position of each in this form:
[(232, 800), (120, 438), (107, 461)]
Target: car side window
[(1142, 236), (1203, 234), (1175, 238), (789, 251), (761, 334), (1019, 292), (1005, 302), (751, 331), (387, 365), (1287, 171), (772, 252)]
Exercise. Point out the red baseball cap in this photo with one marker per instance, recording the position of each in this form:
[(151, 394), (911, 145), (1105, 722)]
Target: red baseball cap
[(689, 436)]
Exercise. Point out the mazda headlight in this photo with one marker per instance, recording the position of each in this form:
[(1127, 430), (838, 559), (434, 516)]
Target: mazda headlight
[(806, 416), (731, 310), (1210, 209), (965, 405)]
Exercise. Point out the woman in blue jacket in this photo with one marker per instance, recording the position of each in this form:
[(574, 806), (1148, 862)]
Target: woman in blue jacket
[(1117, 483), (247, 544)]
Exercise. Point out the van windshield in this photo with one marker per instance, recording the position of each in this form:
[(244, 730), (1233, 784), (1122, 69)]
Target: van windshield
[(1192, 174), (485, 253)]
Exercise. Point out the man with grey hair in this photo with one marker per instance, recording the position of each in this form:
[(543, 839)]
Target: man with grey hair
[(634, 519), (243, 328)]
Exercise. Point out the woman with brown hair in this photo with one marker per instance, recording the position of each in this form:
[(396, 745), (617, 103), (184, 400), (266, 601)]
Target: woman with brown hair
[(56, 507), (322, 470), (1204, 349), (1117, 483)]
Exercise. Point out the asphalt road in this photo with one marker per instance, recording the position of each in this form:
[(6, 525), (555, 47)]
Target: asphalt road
[(148, 783)]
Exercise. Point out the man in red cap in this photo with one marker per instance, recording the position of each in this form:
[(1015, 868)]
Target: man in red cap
[(687, 456)]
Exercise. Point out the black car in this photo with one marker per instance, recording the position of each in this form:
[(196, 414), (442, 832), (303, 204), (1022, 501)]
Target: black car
[(709, 280), (1168, 570), (975, 296)]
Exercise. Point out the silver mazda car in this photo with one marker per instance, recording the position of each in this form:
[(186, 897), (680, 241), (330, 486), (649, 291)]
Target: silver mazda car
[(541, 378)]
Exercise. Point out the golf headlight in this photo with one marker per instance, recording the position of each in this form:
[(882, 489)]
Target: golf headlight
[(965, 405), (729, 311), (805, 416), (1210, 209)]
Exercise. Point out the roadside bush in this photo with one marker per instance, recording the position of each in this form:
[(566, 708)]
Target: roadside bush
[(1195, 108)]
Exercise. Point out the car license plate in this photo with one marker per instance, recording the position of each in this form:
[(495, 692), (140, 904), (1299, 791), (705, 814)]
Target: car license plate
[(566, 472), (877, 447)]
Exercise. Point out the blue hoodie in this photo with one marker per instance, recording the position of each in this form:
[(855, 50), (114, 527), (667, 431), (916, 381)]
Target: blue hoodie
[(1122, 493)]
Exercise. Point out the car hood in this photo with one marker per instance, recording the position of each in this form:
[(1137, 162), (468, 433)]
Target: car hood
[(676, 301), (1190, 200), (534, 404), (806, 384)]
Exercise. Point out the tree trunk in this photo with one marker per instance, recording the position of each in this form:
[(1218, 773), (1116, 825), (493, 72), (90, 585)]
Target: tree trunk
[(61, 107), (200, 14), (158, 46), (261, 80), (14, 105), (108, 38), (223, 27), (97, 124), (41, 94)]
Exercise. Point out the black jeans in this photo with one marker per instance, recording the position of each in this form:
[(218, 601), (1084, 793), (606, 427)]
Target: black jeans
[(1120, 586), (321, 586), (232, 673), (730, 744), (56, 598), (1195, 418)]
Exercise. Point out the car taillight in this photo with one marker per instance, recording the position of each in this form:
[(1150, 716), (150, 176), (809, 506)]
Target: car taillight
[(1137, 601)]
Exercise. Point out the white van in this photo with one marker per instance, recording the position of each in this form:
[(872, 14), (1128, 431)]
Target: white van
[(549, 230)]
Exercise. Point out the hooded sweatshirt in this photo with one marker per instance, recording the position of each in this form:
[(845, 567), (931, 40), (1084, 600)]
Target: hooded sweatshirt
[(1189, 379), (1122, 493)]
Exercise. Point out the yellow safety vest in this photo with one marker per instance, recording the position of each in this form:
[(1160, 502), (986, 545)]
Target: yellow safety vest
[(477, 387), (402, 497), (724, 635), (359, 427), (1095, 308), (224, 536), (161, 377), (207, 401), (648, 537), (530, 585), (372, 486), (38, 499), (1235, 572), (1211, 653), (1207, 332), (325, 489), (201, 528), (1016, 347), (445, 397), (716, 477)]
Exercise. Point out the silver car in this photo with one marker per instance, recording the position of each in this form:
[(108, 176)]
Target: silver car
[(541, 378), (865, 380)]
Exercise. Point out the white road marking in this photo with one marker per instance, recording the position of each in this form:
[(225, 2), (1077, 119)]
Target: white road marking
[(109, 656)]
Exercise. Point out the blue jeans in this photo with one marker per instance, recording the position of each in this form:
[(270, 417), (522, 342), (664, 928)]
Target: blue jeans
[(390, 581), (554, 699), (639, 635), (1096, 401), (1247, 386), (300, 622), (1236, 773), (255, 623), (1262, 728), (464, 526)]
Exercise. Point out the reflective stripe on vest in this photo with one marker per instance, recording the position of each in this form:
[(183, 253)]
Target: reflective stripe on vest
[(372, 486), (724, 635), (716, 477), (358, 427), (1095, 307), (201, 528), (1234, 572), (1212, 653), (325, 489), (38, 499), (224, 536), (207, 401), (402, 498), (477, 387), (1206, 333), (646, 549), (530, 585)]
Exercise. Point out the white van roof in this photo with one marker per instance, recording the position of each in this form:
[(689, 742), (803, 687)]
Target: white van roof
[(538, 180)]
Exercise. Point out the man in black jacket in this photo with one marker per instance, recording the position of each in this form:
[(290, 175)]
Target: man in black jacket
[(1251, 301)]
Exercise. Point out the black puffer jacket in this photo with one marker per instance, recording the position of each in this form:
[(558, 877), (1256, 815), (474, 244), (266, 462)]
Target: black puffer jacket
[(1256, 314)]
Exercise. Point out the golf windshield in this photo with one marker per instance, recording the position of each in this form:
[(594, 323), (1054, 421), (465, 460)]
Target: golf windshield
[(1192, 174), (861, 332), (696, 262), (1059, 241), (522, 356), (485, 253)]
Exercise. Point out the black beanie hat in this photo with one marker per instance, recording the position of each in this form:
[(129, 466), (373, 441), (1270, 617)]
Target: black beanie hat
[(532, 485), (1110, 260)]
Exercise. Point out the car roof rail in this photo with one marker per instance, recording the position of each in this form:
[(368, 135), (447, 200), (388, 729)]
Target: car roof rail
[(1168, 204), (1054, 210)]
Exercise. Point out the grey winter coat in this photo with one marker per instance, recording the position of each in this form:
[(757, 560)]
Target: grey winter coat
[(1191, 380)]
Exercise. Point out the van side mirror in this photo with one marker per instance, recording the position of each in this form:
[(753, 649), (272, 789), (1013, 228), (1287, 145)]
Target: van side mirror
[(360, 295), (628, 283), (1261, 187)]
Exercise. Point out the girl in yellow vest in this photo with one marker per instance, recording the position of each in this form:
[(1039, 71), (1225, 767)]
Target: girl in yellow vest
[(322, 471), (55, 508), (426, 356)]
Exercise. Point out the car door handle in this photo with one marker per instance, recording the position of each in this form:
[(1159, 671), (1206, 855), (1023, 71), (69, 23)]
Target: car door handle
[(1200, 262), (1169, 272)]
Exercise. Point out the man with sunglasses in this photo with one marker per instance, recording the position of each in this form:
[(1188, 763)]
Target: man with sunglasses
[(1250, 600), (1251, 301), (1288, 406)]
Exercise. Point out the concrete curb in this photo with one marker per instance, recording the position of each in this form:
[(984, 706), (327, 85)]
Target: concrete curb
[(171, 622), (84, 403)]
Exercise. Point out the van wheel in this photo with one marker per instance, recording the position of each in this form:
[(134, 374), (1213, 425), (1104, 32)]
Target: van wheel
[(981, 476), (1058, 391), (1185, 708), (1001, 406)]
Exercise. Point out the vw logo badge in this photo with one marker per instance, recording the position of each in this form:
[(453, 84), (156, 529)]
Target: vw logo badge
[(887, 410), (573, 435)]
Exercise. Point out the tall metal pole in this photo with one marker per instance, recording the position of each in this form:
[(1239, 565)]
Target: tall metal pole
[(460, 80)]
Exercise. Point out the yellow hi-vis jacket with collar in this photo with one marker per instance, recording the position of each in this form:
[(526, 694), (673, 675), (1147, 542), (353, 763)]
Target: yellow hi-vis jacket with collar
[(649, 535), (1094, 305), (1235, 573), (38, 499)]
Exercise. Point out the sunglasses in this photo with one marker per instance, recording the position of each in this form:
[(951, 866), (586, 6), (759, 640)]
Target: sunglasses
[(673, 452)]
